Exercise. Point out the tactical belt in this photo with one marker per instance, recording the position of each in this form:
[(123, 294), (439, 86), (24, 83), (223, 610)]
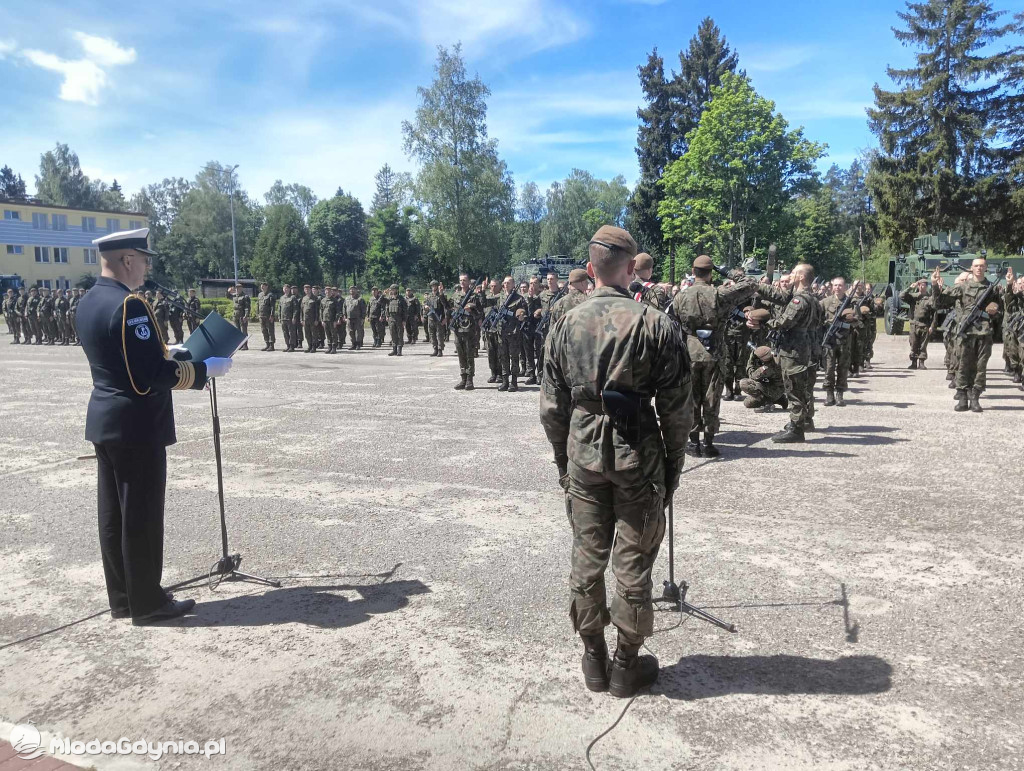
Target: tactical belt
[(596, 407)]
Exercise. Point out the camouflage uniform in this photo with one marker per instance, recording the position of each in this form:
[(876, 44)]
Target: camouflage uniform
[(32, 316), (46, 321), (703, 311), (265, 303), (975, 347), (734, 357), (922, 312), (21, 311), (243, 306), (412, 318), (193, 320), (376, 312), (330, 307), (510, 339), (492, 300), (565, 304), (395, 311), (310, 308), (616, 474), (435, 309), (1013, 308), (60, 314), (649, 293), (284, 306), (13, 327), (175, 316), (838, 355), (161, 310), (763, 383), (868, 315), (465, 338), (298, 322), (532, 342), (355, 313)]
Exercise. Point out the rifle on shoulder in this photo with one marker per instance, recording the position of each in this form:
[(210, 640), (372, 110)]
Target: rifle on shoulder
[(461, 320), (545, 319), (977, 313)]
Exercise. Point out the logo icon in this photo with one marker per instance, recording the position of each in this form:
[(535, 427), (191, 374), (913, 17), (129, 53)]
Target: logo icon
[(142, 332), (26, 741)]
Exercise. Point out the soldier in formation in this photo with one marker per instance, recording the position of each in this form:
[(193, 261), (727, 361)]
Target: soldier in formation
[(1013, 324), (266, 302), (467, 311), (435, 317), (838, 349), (395, 310), (412, 317), (161, 309), (193, 317), (375, 310), (242, 308), (511, 316), (330, 316), (922, 320), (355, 317)]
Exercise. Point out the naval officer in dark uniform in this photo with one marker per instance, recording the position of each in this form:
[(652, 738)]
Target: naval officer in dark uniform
[(131, 422)]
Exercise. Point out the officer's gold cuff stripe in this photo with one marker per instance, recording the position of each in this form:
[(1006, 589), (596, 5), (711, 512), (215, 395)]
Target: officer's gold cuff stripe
[(186, 373)]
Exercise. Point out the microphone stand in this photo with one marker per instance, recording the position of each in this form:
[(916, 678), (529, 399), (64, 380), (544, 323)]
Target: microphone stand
[(227, 565)]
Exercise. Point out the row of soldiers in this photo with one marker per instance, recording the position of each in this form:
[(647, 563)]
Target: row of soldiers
[(42, 316), (968, 347)]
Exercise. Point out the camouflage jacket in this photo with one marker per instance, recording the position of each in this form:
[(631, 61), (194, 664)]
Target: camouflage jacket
[(21, 304), (565, 304), (611, 342), (922, 306), (474, 307), (355, 309), (534, 312), (284, 307), (650, 293), (435, 305), (395, 310), (798, 326), (509, 321), (705, 308), (9, 303), (265, 304), (193, 305), (375, 307), (414, 308), (160, 311), (61, 305), (73, 304), (310, 309), (32, 306), (965, 297), (175, 313), (46, 307), (546, 296), (330, 309), (829, 306), (243, 304)]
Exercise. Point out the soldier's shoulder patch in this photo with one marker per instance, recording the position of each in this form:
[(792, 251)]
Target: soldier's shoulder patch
[(137, 320), (142, 332)]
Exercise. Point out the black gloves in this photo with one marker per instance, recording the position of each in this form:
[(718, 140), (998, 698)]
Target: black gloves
[(562, 462), (673, 468)]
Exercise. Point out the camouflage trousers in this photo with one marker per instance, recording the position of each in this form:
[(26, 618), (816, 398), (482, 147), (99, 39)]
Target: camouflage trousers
[(870, 333), (464, 347), (532, 352), (412, 329), (356, 331), (952, 357), (241, 321), (339, 332), (734, 358), (14, 324), (267, 327), (34, 329), (179, 333), (192, 324), (510, 349), (310, 329), (330, 334), (493, 363), (1011, 350), (618, 515), (918, 341), (286, 332), (799, 385), (974, 351), (162, 326), (856, 342), (761, 394), (706, 385), (395, 329), (435, 333), (837, 365)]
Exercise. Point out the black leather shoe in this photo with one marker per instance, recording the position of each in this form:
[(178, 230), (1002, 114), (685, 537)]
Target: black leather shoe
[(173, 609), (119, 613), (493, 379), (469, 384), (976, 403), (630, 674), (913, 364)]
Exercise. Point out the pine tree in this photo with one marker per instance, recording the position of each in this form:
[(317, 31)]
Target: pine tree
[(11, 185), (936, 131)]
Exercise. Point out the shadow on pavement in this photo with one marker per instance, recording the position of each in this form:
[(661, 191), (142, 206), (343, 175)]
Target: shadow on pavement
[(897, 405), (1002, 407), (707, 677), (321, 606), (858, 439)]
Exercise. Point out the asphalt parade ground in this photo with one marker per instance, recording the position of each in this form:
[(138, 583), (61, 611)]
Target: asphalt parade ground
[(874, 575)]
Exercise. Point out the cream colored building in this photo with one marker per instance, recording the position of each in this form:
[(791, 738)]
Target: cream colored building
[(52, 245)]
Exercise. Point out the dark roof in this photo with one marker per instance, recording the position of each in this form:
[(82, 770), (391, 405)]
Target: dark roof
[(30, 202), (230, 281)]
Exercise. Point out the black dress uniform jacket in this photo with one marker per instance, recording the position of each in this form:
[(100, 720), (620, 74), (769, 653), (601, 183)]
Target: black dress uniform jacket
[(131, 373)]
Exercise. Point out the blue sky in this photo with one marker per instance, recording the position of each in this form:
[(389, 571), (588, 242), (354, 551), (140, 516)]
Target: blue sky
[(314, 91)]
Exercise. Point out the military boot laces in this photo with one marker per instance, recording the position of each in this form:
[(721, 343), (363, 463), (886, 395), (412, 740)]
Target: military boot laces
[(976, 402), (961, 402), (840, 401), (461, 385), (630, 673), (596, 664), (830, 398)]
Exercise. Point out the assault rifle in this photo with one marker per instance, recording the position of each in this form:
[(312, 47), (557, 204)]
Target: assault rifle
[(460, 317), (837, 325), (947, 323), (545, 319), (978, 311), (497, 314)]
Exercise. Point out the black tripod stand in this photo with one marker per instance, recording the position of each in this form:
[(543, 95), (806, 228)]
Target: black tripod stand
[(227, 565), (675, 595)]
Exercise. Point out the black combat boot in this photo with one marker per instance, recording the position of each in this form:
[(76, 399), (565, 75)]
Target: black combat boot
[(493, 378), (913, 364), (808, 425), (531, 380), (270, 347), (469, 383), (595, 662), (789, 435), (1006, 368), (399, 350), (695, 446), (840, 402), (504, 384), (1015, 378), (729, 394), (630, 672), (976, 401), (949, 374), (783, 402), (440, 352), (394, 351), (514, 385), (461, 385), (710, 451), (961, 401), (830, 398)]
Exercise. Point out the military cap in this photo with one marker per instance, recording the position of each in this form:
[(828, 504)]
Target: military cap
[(760, 315), (394, 287), (239, 286), (578, 274), (306, 286), (703, 263), (644, 261), (435, 283), (356, 287), (125, 239), (615, 238), (992, 309), (764, 353)]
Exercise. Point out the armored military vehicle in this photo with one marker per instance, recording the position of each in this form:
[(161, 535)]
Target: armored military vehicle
[(549, 263)]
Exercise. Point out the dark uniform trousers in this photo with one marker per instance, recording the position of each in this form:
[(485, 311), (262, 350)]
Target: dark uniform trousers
[(973, 355), (837, 365), (130, 498), (919, 341), (618, 515), (356, 330), (412, 328), (435, 333), (493, 363), (510, 349), (466, 349), (267, 327)]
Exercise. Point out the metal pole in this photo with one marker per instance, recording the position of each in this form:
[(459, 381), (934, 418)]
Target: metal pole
[(234, 244)]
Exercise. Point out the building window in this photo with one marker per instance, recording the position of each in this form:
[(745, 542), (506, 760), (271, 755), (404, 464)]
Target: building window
[(39, 221), (15, 249), (113, 225), (60, 221), (134, 224), (90, 256), (11, 214), (62, 282), (88, 224), (46, 283), (60, 254), (42, 254)]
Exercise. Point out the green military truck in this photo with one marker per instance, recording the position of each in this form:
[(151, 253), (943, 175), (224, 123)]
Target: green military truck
[(549, 263), (945, 251)]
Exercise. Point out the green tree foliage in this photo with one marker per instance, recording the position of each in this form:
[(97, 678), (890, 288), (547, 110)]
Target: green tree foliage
[(465, 188), (391, 253), (936, 130), (574, 205), (161, 203), (728, 193), (526, 232), (284, 250), (62, 182), (299, 196), (1007, 212), (818, 236), (672, 110), (394, 188), (11, 185), (338, 227)]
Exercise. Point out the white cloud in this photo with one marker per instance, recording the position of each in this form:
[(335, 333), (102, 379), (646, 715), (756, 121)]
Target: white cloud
[(776, 59), (7, 47), (84, 79)]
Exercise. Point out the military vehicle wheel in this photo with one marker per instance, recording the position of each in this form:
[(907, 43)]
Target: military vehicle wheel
[(893, 324)]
